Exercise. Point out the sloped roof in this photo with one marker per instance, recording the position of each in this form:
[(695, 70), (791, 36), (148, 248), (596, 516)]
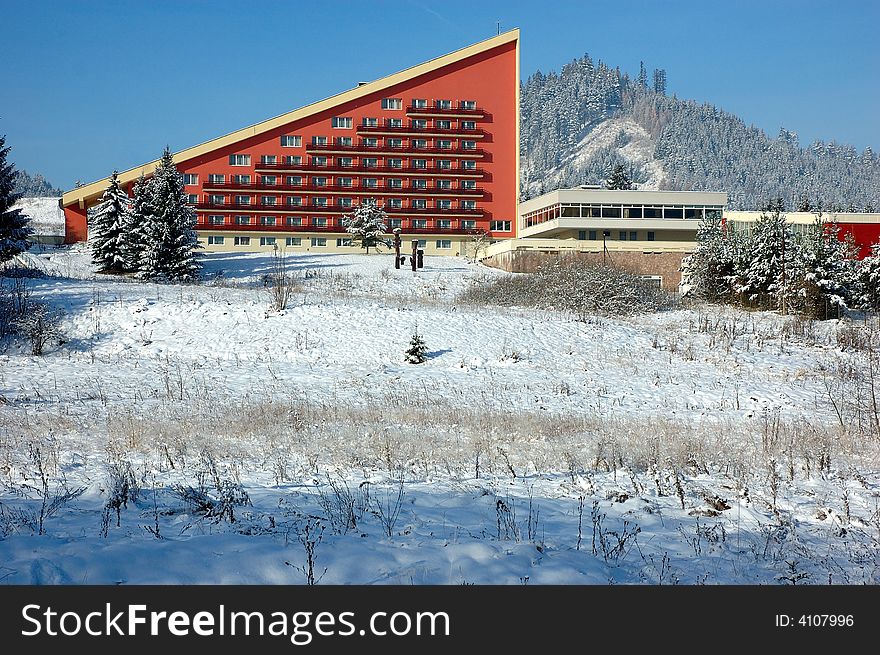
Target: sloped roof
[(95, 189)]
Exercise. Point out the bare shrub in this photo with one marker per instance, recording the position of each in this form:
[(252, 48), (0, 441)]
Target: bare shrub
[(310, 533), (575, 285), (122, 488), (40, 325), (280, 284), (214, 496), (388, 508), (53, 494), (343, 507)]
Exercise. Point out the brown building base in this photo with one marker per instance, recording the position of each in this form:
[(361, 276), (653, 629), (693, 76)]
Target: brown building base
[(665, 264)]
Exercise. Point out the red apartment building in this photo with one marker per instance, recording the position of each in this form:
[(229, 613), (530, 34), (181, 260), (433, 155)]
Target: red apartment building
[(437, 145)]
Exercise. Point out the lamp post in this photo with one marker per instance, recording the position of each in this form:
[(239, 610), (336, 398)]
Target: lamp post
[(605, 233)]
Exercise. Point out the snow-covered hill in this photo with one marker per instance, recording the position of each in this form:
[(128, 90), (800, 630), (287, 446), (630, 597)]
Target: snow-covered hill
[(47, 218)]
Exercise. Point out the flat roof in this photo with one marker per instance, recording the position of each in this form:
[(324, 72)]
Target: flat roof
[(617, 197)]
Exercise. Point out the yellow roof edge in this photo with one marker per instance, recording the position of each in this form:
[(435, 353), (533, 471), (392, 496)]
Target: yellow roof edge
[(98, 187)]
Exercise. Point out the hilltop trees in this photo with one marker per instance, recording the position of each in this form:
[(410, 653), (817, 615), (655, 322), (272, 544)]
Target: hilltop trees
[(14, 230), (619, 179), (367, 225)]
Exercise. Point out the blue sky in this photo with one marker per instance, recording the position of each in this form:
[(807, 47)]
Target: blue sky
[(92, 86)]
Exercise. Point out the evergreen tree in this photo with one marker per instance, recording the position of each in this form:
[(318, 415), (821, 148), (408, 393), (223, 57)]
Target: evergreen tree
[(106, 228), (417, 353), (660, 81), (14, 229), (133, 220), (805, 205), (829, 270), (169, 237), (643, 76), (773, 258), (619, 179), (868, 281), (366, 225), (713, 266)]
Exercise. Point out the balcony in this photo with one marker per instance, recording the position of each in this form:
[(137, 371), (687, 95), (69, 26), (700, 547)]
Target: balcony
[(382, 190), (333, 209), (422, 131), (372, 170), (450, 112), (335, 225), (402, 151)]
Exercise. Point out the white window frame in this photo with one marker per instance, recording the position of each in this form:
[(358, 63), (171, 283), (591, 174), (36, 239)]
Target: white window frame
[(242, 220), (216, 240), (212, 219), (268, 159), (319, 242), (241, 241), (216, 178), (291, 141), (392, 104), (292, 242), (443, 244), (268, 241), (341, 122), (239, 160), (190, 179), (268, 220)]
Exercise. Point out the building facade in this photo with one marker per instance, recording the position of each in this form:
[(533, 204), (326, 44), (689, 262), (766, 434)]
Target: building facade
[(436, 145)]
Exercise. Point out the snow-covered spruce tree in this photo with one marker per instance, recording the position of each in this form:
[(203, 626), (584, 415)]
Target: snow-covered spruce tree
[(828, 266), (772, 261), (619, 179), (711, 270), (868, 281), (169, 237), (417, 353), (106, 228), (133, 220), (14, 229), (366, 225)]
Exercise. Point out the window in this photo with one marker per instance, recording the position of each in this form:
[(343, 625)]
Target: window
[(610, 212), (239, 160), (395, 222), (216, 178), (392, 103), (395, 183), (293, 221), (318, 242), (499, 226), (420, 163), (371, 122), (444, 244), (268, 159), (421, 243), (319, 181), (344, 181), (394, 143), (215, 199), (192, 198), (419, 124), (319, 202), (269, 180), (445, 144), (443, 104), (653, 212), (468, 224), (242, 200), (632, 212), (394, 122), (443, 125), (344, 162), (418, 184), (395, 203), (241, 179), (419, 144), (651, 236), (419, 103), (369, 162), (294, 201), (622, 235), (370, 142), (468, 104), (343, 202), (420, 223), (288, 141), (242, 220), (344, 141), (215, 240), (672, 212), (319, 140), (190, 178), (293, 160), (343, 242), (468, 184), (293, 241), (444, 224), (370, 182), (469, 145), (444, 204), (242, 241), (468, 125), (468, 204), (469, 165), (216, 219), (444, 164), (443, 184), (341, 122), (319, 160), (592, 235), (267, 241), (293, 180), (319, 221), (267, 220), (418, 203), (633, 236)]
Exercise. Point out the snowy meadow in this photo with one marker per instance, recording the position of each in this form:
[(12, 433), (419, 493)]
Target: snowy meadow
[(191, 433)]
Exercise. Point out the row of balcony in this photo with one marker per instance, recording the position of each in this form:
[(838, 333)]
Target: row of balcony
[(398, 150), (423, 131), (334, 209), (336, 188), (449, 112), (361, 169), (406, 225)]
